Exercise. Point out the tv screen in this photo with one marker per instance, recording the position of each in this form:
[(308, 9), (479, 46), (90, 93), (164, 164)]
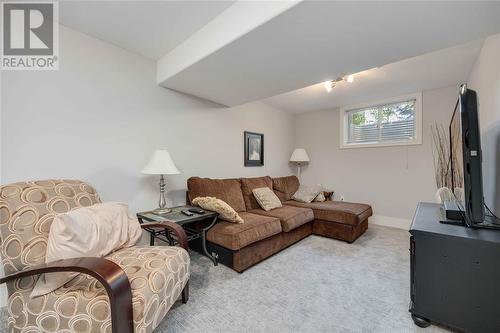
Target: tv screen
[(457, 160), (465, 157)]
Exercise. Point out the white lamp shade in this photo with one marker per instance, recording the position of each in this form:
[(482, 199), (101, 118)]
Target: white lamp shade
[(299, 155), (161, 164)]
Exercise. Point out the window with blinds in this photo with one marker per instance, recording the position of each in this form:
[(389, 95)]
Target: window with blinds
[(393, 122)]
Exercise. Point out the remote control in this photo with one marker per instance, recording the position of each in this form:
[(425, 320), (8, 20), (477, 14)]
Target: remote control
[(197, 210), (186, 212)]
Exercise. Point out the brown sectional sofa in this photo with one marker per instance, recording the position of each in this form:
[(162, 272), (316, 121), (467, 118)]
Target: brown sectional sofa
[(240, 246)]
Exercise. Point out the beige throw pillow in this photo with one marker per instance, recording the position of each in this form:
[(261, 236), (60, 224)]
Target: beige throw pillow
[(93, 231), (320, 197), (226, 212), (307, 193), (266, 198)]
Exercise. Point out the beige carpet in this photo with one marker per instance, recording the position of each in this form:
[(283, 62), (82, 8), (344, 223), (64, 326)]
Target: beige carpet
[(316, 285)]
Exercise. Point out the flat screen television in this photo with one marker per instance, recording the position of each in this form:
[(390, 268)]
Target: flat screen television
[(465, 155)]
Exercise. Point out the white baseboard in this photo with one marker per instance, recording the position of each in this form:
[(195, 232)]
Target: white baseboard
[(392, 222), (3, 295)]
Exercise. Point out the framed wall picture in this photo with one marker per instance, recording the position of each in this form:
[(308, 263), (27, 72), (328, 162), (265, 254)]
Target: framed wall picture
[(254, 149)]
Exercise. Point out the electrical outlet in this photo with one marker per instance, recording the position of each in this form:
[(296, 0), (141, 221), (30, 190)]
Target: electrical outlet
[(341, 198)]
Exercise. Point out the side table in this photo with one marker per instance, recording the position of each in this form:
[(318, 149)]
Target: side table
[(185, 221)]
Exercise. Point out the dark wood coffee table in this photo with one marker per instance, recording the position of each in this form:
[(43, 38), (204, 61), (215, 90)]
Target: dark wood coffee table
[(183, 220)]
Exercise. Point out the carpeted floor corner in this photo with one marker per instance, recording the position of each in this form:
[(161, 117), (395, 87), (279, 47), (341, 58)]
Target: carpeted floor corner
[(316, 285)]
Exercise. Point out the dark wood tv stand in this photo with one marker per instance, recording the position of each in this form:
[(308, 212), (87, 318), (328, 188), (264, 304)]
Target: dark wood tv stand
[(455, 273)]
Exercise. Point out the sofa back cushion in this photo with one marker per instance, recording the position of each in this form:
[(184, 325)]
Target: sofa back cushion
[(227, 190), (285, 187), (248, 184)]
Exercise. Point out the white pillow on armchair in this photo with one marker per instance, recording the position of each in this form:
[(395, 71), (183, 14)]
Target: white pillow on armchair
[(93, 231)]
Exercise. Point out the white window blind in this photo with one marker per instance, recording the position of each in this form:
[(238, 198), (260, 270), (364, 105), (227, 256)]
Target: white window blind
[(387, 123)]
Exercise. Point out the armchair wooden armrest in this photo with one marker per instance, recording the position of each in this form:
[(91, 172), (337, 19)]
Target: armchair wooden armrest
[(173, 227), (112, 277)]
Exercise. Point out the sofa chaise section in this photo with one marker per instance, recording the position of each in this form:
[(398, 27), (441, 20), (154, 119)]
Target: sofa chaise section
[(335, 219), (338, 219)]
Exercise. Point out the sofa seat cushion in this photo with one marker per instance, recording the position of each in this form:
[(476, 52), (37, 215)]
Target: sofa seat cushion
[(236, 236), (337, 211), (290, 217), (249, 184), (285, 187), (227, 190)]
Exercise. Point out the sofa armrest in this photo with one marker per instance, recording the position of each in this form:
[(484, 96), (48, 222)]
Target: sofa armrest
[(111, 276), (174, 227)]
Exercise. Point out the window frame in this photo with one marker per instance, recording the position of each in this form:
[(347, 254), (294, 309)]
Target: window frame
[(344, 119)]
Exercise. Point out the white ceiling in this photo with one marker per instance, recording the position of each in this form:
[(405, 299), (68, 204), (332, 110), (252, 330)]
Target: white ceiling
[(318, 40), (442, 68), (299, 46), (149, 28)]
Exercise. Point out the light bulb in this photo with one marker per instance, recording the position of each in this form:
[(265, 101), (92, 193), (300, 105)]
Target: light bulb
[(350, 78), (328, 86)]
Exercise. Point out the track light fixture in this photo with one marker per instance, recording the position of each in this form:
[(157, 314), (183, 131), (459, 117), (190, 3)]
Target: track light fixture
[(329, 85)]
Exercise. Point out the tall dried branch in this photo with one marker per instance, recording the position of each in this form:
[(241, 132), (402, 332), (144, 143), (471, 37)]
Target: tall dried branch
[(441, 155)]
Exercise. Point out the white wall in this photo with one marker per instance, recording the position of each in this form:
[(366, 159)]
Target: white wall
[(392, 179), (101, 116), (485, 79)]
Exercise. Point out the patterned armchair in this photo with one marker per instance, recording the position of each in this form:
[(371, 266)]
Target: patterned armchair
[(130, 289)]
